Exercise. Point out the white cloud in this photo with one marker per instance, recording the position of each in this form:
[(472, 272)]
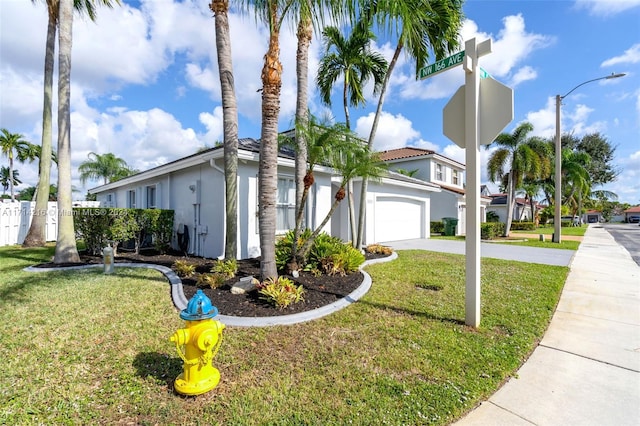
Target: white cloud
[(606, 8), (393, 131), (630, 56), (523, 74)]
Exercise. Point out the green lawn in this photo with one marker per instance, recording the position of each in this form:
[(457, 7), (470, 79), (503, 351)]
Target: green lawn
[(80, 347), (515, 240), (548, 230)]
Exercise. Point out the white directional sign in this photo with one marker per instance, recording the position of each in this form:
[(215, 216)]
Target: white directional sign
[(442, 65), (495, 111)]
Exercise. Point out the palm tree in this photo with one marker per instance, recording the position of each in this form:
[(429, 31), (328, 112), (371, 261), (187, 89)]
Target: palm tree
[(106, 166), (66, 250), (516, 158), (220, 9), (575, 175), (353, 60), (37, 231), (8, 178), (421, 26), (15, 147)]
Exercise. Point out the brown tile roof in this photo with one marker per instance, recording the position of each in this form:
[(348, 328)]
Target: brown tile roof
[(407, 152), (635, 209)]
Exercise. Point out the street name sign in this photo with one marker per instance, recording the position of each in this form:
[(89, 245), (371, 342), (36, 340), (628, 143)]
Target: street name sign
[(442, 65)]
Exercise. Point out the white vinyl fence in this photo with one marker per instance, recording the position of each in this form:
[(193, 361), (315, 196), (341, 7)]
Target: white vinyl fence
[(15, 219)]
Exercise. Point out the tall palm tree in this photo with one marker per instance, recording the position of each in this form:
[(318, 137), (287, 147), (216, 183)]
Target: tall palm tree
[(36, 237), (8, 178), (15, 147), (352, 59), (220, 9), (107, 167), (420, 26), (576, 178), (66, 250), (515, 158)]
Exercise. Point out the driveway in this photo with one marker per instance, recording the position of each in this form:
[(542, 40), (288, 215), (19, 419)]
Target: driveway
[(545, 256)]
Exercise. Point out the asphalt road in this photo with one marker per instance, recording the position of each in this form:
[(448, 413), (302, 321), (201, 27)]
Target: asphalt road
[(627, 235)]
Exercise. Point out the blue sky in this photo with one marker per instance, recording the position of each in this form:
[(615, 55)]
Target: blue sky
[(145, 84)]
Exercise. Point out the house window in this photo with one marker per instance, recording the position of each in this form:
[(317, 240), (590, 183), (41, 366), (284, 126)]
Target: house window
[(439, 172), (151, 197), (131, 199), (286, 205), (456, 177), (110, 200)]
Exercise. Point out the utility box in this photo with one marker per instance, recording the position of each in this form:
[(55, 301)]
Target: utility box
[(450, 224)]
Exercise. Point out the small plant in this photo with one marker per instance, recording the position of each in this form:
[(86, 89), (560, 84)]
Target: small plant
[(378, 249), (213, 280), (227, 268), (345, 262), (281, 292), (184, 268)]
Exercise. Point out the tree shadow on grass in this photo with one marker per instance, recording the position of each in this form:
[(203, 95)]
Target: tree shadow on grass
[(422, 314), (159, 366)]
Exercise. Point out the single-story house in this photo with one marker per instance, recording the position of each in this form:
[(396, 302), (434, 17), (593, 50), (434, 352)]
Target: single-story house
[(592, 216), (632, 214), (437, 169), (521, 209), (397, 207)]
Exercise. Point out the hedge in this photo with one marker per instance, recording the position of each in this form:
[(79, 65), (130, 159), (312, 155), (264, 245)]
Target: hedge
[(437, 227), (523, 226), (102, 226), (491, 230)]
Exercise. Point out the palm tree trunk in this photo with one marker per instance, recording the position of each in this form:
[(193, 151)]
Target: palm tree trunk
[(66, 250), (230, 120), (510, 204), (304, 250), (36, 237), (305, 33), (372, 135), (268, 166), (13, 198)]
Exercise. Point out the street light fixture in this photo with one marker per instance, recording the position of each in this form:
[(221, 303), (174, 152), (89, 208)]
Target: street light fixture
[(557, 221)]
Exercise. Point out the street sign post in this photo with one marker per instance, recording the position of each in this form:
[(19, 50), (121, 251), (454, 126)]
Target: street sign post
[(441, 65), (474, 116)]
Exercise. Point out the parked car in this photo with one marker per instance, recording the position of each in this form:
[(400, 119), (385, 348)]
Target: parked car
[(634, 219)]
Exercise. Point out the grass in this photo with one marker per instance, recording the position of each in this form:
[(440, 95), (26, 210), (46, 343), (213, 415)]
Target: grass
[(80, 347), (514, 240), (566, 230)]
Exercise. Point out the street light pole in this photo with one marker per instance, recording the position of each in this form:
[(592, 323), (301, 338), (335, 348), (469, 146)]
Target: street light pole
[(557, 220)]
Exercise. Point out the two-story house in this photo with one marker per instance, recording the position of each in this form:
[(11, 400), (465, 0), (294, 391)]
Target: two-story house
[(449, 174)]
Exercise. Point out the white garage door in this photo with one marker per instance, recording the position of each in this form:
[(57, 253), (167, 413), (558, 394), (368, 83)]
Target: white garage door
[(398, 219)]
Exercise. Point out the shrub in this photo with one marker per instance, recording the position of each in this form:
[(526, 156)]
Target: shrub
[(184, 268), (523, 226), (213, 280), (378, 249), (437, 227), (492, 217), (226, 268), (346, 261), (491, 230), (281, 292)]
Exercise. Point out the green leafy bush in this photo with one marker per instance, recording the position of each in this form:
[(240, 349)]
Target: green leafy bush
[(183, 268), (226, 268), (437, 227), (523, 226), (491, 230), (346, 261), (214, 280), (281, 292)]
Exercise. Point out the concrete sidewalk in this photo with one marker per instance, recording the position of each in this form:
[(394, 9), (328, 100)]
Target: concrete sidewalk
[(586, 370)]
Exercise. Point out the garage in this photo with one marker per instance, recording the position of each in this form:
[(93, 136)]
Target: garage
[(398, 218)]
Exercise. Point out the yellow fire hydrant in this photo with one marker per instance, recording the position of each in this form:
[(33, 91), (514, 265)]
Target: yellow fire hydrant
[(201, 340)]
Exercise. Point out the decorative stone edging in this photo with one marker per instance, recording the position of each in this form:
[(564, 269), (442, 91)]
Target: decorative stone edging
[(180, 301)]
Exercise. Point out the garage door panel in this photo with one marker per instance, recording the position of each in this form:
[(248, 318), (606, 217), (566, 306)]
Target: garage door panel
[(398, 219)]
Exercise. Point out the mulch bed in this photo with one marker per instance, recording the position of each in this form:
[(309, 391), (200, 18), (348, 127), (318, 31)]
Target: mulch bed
[(319, 291)]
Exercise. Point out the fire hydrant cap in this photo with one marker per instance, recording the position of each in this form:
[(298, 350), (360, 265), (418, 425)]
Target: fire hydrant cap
[(199, 308)]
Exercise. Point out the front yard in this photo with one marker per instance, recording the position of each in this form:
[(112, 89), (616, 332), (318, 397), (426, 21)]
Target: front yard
[(80, 347)]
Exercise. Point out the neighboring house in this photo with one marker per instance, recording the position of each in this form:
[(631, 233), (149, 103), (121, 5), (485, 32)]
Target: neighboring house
[(193, 187), (632, 214), (521, 209), (437, 169), (592, 216)]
